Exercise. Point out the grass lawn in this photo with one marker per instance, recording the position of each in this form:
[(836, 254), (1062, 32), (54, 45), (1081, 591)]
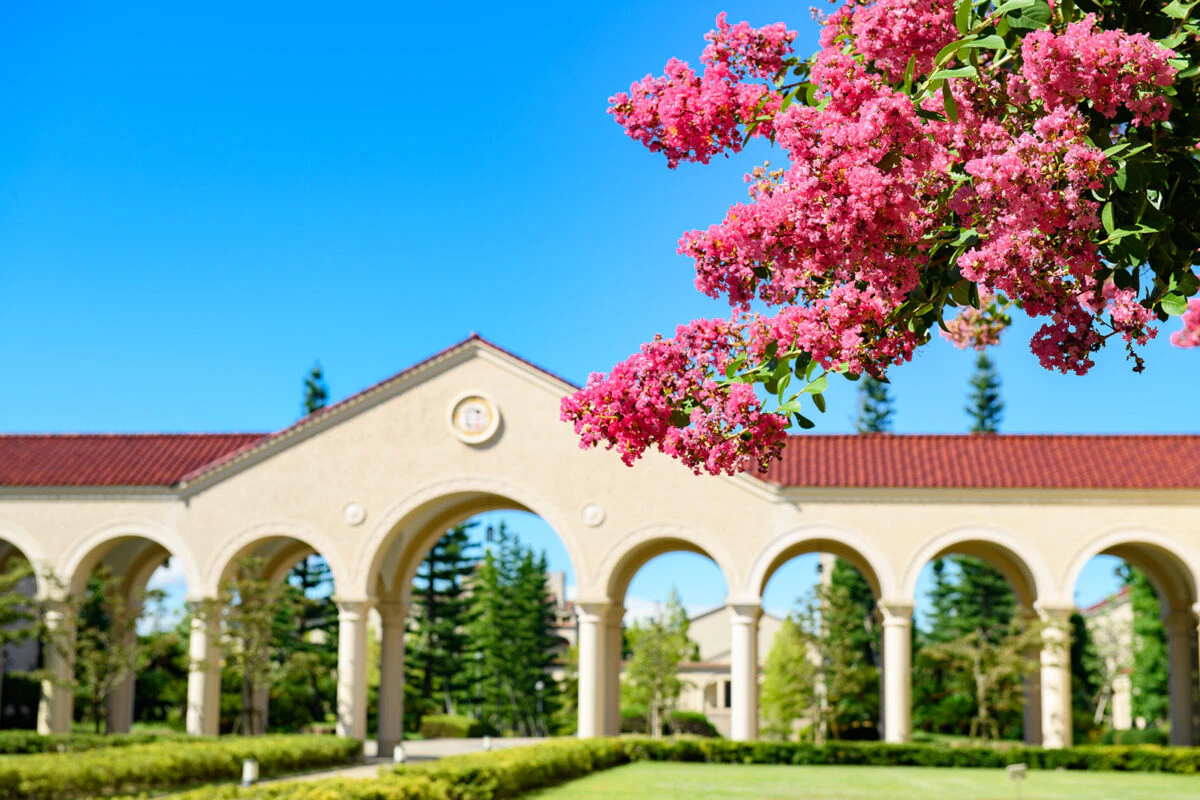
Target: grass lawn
[(672, 781)]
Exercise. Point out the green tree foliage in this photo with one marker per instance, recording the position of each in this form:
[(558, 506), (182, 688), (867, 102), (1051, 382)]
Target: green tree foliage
[(971, 598), (511, 630), (850, 622), (304, 637), (658, 646), (17, 620), (107, 647), (875, 408), (984, 406), (1151, 693), (248, 604), (439, 660), (1086, 679), (789, 680), (316, 392), (160, 691), (994, 666)]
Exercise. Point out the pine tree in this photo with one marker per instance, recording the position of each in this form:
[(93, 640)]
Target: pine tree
[(17, 616), (316, 392), (486, 633), (985, 408), (875, 409), (1151, 693), (304, 637), (1085, 678), (438, 664), (850, 620), (984, 599)]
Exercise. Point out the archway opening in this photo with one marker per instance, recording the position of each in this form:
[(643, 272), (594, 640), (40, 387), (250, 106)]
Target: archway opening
[(1134, 663), (19, 657), (473, 627), (278, 616), (976, 647), (822, 639), (670, 651), (127, 639)]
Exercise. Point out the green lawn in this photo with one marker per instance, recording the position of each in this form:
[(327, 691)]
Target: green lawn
[(673, 781)]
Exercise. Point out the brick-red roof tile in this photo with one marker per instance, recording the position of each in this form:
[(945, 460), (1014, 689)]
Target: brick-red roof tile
[(111, 459), (990, 461)]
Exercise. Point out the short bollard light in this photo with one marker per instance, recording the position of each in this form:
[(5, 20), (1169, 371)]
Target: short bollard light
[(1016, 773), (487, 743), (398, 754), (249, 772)]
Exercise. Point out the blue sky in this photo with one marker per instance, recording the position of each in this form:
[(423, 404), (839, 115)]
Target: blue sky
[(197, 202)]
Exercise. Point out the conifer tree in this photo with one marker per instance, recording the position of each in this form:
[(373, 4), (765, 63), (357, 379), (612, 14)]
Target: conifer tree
[(17, 616), (439, 641), (875, 409), (985, 408), (316, 391), (1085, 678)]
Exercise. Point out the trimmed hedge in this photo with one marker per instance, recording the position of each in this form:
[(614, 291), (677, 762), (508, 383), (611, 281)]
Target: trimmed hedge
[(452, 726), (165, 765), (23, 742), (508, 774)]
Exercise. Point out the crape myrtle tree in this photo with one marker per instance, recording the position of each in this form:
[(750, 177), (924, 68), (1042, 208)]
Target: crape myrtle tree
[(944, 163)]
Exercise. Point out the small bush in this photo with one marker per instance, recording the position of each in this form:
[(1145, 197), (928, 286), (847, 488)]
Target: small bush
[(165, 765), (1136, 736), (453, 726), (691, 723), (17, 742)]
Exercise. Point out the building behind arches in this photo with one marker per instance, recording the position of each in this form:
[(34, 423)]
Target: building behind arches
[(370, 482)]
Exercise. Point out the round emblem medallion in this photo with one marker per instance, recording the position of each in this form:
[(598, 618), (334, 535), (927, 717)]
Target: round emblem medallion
[(354, 513), (473, 418)]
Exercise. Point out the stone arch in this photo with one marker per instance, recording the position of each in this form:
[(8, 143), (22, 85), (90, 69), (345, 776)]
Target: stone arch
[(22, 542), (637, 548), (410, 527), (850, 545), (1022, 565), (291, 541), (87, 554), (1173, 569)]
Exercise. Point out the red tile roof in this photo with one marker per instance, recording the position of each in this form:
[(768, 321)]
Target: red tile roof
[(990, 461), (111, 459)]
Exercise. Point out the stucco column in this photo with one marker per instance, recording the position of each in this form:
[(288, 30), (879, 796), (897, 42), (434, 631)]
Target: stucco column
[(392, 618), (1032, 684), (897, 670), (1056, 676), (1181, 627), (592, 640), (57, 705), (352, 668), (204, 674), (612, 670), (743, 671)]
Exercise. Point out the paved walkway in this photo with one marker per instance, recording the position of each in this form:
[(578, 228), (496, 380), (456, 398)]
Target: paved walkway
[(416, 751)]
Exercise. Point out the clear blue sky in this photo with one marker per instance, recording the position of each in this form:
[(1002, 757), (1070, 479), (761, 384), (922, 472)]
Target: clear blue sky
[(197, 202)]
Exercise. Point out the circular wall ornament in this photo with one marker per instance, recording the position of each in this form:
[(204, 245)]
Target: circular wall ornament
[(354, 513), (593, 514), (473, 417)]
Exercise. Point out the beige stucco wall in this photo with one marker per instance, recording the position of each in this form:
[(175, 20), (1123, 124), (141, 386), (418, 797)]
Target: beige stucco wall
[(392, 452)]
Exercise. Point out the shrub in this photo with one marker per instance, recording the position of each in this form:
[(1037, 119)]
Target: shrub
[(633, 719), (453, 726), (164, 765), (1136, 736), (691, 723), (15, 742)]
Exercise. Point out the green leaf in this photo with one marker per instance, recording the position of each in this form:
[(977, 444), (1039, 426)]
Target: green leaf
[(962, 17), (818, 386), (948, 101), (1174, 304), (819, 401), (992, 42), (1106, 217), (949, 50), (804, 422), (958, 72), (1035, 16), (908, 73), (680, 418), (1013, 5)]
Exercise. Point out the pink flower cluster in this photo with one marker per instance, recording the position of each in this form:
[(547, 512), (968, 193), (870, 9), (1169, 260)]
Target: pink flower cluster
[(977, 328), (1110, 69), (1189, 334), (690, 117), (636, 406), (877, 192)]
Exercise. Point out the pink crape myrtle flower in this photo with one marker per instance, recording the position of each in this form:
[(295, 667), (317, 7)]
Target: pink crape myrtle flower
[(1189, 335)]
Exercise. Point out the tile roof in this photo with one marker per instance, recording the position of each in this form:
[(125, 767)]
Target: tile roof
[(990, 461), (110, 459)]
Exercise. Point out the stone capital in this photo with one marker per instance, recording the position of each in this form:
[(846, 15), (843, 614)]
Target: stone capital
[(895, 612), (351, 610), (1055, 613), (392, 613), (1180, 622), (591, 612), (744, 613)]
